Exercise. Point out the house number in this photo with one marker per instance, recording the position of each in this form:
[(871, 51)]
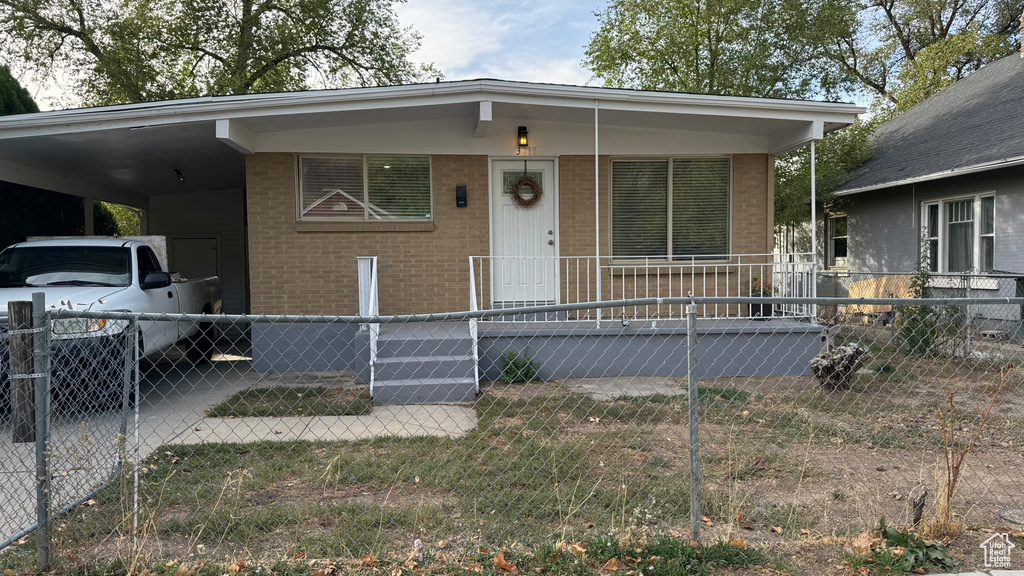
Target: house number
[(528, 151)]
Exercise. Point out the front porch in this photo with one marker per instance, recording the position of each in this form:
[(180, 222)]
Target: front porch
[(444, 362), (498, 282)]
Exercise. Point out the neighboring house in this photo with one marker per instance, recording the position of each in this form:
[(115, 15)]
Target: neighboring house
[(626, 194), (945, 188)]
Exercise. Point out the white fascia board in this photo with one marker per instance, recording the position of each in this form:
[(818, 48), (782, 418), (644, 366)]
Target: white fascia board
[(797, 137), (973, 169), (35, 178), (256, 105), (234, 134)]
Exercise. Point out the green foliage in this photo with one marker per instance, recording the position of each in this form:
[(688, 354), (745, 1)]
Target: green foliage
[(519, 369), (837, 155), (13, 98), (161, 49), (903, 51), (777, 50), (917, 325), (917, 553), (114, 220)]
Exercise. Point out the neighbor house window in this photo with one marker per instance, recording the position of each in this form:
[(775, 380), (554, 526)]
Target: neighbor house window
[(959, 234), (676, 208), (837, 241), (364, 188)]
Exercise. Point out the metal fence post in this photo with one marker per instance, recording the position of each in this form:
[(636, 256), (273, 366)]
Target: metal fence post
[(41, 349), (691, 384)]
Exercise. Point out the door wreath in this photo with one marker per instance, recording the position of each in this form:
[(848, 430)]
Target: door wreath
[(518, 199)]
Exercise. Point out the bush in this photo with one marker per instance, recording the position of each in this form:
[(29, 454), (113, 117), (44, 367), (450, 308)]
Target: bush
[(835, 369), (519, 369)]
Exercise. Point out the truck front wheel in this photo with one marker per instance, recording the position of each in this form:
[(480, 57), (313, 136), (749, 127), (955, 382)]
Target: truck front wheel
[(200, 346)]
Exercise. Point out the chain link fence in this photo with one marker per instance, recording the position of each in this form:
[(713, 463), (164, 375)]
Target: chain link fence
[(271, 438)]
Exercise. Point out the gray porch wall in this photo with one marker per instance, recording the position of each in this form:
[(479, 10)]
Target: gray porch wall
[(750, 349)]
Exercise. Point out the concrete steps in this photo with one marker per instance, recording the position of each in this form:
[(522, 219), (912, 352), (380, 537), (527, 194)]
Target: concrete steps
[(425, 364)]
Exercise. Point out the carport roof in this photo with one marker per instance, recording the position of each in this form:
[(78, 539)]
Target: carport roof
[(126, 153)]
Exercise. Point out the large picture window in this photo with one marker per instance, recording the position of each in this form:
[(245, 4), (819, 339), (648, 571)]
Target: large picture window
[(676, 208), (364, 188), (959, 234)]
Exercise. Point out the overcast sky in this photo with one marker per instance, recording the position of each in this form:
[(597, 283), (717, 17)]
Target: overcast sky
[(534, 40)]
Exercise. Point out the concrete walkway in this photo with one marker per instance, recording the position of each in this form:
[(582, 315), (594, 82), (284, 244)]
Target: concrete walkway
[(393, 421), (993, 573)]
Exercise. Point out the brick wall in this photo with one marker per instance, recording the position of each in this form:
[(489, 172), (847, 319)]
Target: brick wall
[(294, 271), (300, 269)]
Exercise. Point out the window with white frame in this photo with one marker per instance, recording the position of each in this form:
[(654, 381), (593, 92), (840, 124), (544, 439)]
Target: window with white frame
[(364, 188), (837, 241), (675, 208), (959, 234)]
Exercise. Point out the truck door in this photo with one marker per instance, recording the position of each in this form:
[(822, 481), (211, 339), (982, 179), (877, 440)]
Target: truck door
[(161, 334)]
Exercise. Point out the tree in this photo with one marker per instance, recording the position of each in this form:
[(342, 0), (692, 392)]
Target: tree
[(906, 50), (28, 211), (13, 98), (769, 48), (836, 156), (144, 50)]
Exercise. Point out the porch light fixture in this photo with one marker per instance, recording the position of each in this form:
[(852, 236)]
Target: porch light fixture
[(523, 137), (179, 174)]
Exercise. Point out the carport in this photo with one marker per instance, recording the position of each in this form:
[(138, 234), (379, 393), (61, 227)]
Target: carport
[(189, 182)]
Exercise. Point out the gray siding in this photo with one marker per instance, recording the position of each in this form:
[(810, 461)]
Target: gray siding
[(220, 214), (883, 225)]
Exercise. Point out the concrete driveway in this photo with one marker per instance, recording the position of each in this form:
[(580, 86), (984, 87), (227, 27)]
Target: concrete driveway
[(84, 444)]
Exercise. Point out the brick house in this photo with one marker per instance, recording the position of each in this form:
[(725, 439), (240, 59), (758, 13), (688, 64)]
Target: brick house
[(671, 192)]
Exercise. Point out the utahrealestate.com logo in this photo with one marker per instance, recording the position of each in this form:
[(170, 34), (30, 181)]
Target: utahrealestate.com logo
[(997, 551)]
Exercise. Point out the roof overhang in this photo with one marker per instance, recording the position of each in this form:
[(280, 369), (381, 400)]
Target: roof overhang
[(959, 171), (127, 153)]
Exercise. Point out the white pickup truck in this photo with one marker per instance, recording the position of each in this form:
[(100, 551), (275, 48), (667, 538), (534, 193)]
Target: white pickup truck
[(101, 274)]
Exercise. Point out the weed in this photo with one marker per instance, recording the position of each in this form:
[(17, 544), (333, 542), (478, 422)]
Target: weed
[(955, 452), (838, 496), (519, 369)]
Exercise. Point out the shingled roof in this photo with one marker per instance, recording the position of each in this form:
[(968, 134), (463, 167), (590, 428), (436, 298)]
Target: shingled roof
[(974, 125)]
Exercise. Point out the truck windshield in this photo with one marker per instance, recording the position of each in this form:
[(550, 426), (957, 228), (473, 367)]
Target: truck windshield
[(65, 266)]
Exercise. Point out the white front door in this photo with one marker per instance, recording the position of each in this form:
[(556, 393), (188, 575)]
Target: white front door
[(524, 246)]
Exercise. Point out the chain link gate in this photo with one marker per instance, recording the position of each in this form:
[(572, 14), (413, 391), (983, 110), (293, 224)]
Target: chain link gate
[(282, 438)]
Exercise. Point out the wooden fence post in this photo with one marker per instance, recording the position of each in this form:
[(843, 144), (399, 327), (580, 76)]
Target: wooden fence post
[(20, 346)]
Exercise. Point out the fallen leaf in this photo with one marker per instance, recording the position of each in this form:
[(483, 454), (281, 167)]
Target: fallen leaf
[(863, 571), (318, 574), (804, 531), (91, 502), (475, 567), (503, 566), (612, 565), (748, 527), (739, 516), (442, 544), (588, 525), (540, 570), (918, 571), (237, 567), (693, 544), (298, 555), (861, 544), (577, 549), (777, 529), (278, 432), (594, 419), (1018, 534), (737, 543), (368, 561), (197, 429)]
